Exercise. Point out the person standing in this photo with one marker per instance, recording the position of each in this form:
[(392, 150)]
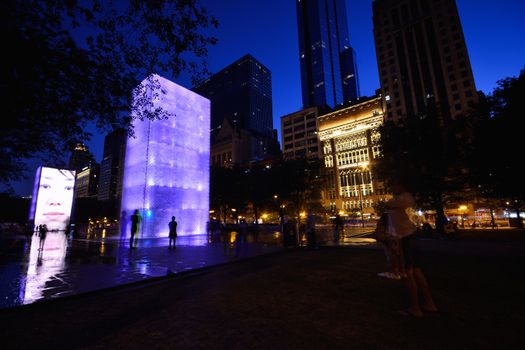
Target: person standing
[(310, 230), (404, 230), (338, 228), (135, 222), (42, 231), (173, 232)]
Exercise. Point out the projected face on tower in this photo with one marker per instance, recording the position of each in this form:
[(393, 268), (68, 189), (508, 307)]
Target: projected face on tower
[(54, 198)]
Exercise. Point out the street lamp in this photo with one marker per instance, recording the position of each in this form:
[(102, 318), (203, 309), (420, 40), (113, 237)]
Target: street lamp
[(361, 191), (361, 204)]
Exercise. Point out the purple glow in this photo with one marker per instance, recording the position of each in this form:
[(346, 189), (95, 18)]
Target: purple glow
[(166, 169), (35, 194)]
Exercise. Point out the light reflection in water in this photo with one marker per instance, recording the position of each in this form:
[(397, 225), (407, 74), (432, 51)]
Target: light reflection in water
[(46, 261)]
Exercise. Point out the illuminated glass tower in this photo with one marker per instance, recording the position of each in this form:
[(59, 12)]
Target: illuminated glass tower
[(328, 64), (167, 162)]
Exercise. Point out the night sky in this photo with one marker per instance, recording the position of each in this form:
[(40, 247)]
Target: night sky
[(267, 29)]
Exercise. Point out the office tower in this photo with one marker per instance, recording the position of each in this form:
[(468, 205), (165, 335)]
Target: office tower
[(242, 93), (86, 182), (299, 134), (111, 167), (241, 102), (422, 57), (80, 158), (328, 65), (347, 139)]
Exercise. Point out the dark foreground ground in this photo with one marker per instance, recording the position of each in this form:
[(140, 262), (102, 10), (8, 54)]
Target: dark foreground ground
[(325, 299)]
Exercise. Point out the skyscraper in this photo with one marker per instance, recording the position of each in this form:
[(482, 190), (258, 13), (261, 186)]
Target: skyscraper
[(328, 65), (242, 93), (111, 168), (422, 59)]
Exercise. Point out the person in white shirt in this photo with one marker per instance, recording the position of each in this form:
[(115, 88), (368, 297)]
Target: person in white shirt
[(404, 230)]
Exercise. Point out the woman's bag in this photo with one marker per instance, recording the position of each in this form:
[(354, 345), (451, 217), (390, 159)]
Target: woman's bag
[(381, 233)]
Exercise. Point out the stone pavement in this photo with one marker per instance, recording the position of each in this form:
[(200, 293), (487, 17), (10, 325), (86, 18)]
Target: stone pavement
[(66, 266), (329, 298)]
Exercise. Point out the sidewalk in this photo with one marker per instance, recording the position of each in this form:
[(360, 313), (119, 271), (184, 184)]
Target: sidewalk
[(66, 266), (325, 299)]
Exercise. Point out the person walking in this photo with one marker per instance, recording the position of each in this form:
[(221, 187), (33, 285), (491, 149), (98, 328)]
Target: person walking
[(403, 229), (135, 222), (173, 232)]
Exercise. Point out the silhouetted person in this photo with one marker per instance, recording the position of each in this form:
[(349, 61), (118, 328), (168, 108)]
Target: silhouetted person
[(42, 232), (135, 222), (173, 232), (310, 230), (338, 227), (123, 225)]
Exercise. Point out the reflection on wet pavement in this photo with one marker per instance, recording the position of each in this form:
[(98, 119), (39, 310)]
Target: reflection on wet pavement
[(34, 269)]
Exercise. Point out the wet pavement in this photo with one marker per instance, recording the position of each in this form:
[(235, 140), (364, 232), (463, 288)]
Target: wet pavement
[(33, 270)]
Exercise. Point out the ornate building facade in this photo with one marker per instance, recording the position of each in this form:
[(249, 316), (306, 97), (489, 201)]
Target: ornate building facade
[(347, 139)]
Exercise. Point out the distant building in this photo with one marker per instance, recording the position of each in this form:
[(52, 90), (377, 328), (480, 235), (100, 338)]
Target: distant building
[(422, 59), (80, 157), (241, 93), (299, 134), (111, 167), (347, 138), (86, 183), (328, 63)]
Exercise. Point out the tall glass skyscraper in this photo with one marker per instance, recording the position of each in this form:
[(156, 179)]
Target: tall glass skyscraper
[(328, 65)]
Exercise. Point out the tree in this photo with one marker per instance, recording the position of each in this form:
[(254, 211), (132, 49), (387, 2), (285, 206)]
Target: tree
[(70, 63), (225, 191), (298, 184), (496, 161), (427, 156)]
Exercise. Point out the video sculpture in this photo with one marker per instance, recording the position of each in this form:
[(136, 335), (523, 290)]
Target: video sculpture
[(166, 170), (52, 198)]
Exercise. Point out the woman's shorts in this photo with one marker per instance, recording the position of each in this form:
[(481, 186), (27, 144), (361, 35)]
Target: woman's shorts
[(410, 253)]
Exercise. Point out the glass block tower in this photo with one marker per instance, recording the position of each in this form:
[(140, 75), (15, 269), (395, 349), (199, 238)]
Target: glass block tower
[(166, 167)]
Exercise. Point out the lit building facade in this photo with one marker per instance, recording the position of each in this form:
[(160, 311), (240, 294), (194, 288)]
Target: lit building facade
[(422, 59), (167, 162), (111, 167), (299, 134), (328, 63), (86, 183), (348, 139)]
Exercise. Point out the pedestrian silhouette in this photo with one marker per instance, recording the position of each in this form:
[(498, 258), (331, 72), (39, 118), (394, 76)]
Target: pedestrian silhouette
[(42, 231), (310, 230), (173, 232), (135, 222), (123, 225)]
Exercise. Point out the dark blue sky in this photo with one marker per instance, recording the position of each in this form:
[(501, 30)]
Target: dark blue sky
[(267, 29)]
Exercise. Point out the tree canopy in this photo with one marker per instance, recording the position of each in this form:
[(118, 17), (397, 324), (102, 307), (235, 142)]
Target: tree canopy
[(71, 63), (496, 162)]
